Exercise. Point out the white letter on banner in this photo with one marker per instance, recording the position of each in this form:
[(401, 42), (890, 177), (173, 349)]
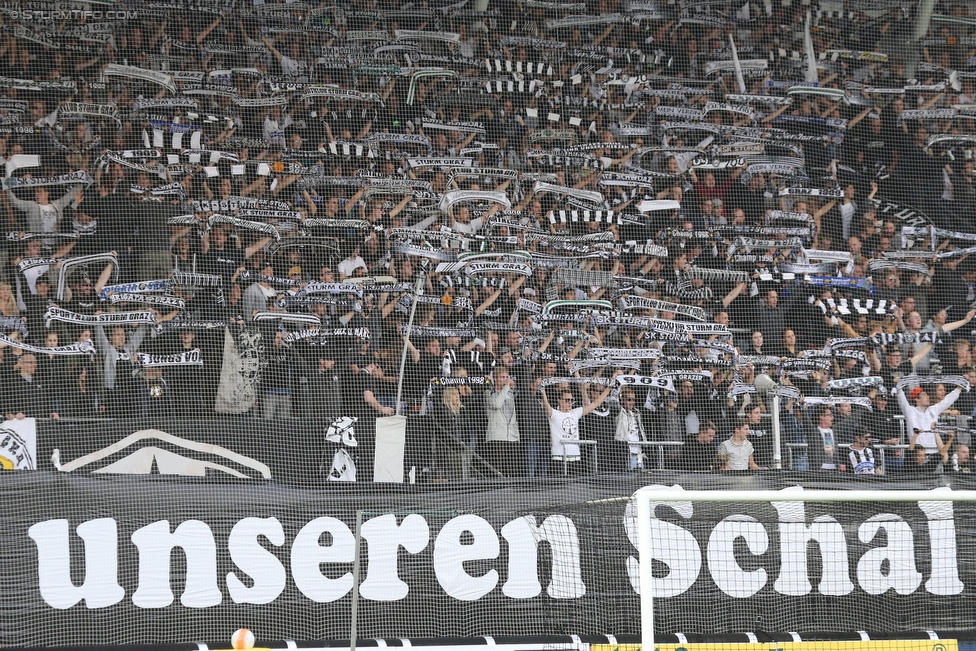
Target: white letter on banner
[(155, 544), (450, 555), (670, 544), (794, 534), (385, 538), (901, 575), (101, 587), (725, 570), (523, 538), (307, 556), (942, 542), (256, 561)]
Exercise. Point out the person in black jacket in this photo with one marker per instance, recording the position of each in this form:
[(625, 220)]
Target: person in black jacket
[(698, 452), (23, 395), (880, 422), (824, 453), (448, 446), (533, 427)]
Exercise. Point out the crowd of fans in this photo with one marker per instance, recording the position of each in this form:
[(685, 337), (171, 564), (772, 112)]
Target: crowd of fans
[(622, 222)]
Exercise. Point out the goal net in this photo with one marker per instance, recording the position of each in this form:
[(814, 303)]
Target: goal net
[(800, 562), (474, 267)]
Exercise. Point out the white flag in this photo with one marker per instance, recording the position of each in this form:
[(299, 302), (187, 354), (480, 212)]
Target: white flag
[(18, 444)]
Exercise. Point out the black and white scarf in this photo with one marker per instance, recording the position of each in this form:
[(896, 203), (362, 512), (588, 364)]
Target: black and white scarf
[(881, 265), (316, 287), (261, 227), (79, 177), (915, 380), (108, 318), (629, 302), (623, 353), (191, 279), (8, 323), (188, 358), (441, 333), (172, 302), (288, 317), (906, 338), (271, 280), (134, 73), (471, 380), (602, 381), (76, 348), (79, 110), (324, 336), (138, 287), (713, 275), (646, 381), (579, 365), (687, 375), (177, 324), (845, 384)]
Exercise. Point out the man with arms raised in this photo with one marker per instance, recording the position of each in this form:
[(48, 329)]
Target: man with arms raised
[(923, 415), (564, 421)]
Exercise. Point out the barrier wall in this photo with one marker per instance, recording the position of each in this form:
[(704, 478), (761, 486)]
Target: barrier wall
[(115, 559)]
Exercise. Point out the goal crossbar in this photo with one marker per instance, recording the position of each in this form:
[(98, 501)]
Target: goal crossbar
[(650, 494)]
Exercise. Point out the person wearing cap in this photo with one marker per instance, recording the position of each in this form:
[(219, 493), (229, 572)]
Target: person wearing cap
[(922, 415)]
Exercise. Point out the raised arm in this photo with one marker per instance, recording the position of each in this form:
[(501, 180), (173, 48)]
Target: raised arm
[(257, 246), (19, 204), (731, 296), (920, 355), (946, 402), (545, 402), (949, 327), (587, 408), (944, 447)]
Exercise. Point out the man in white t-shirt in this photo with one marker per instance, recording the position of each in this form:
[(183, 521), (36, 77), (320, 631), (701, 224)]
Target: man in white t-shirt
[(352, 262), (564, 422), (924, 415)]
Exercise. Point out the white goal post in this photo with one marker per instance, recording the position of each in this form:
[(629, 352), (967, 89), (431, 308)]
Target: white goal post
[(652, 494)]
